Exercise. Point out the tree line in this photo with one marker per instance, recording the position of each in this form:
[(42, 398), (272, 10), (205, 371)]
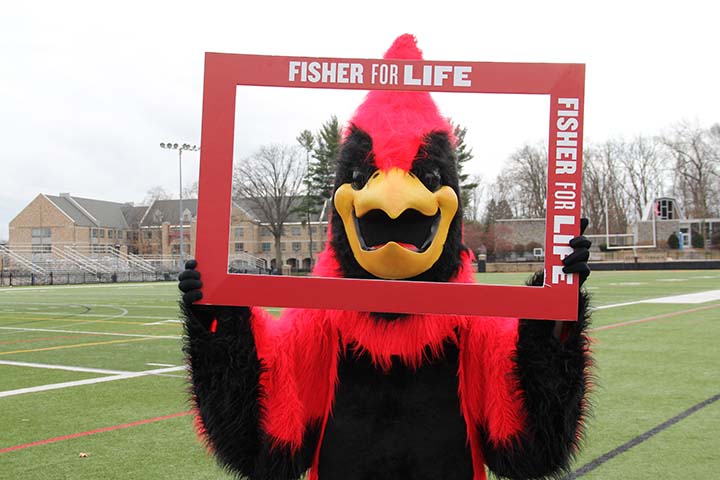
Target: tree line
[(620, 177)]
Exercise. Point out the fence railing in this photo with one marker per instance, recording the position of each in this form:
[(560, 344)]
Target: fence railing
[(19, 279)]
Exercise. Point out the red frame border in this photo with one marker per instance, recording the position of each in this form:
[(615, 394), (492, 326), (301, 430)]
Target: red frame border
[(556, 300)]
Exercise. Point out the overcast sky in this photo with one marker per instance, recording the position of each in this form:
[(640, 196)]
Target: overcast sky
[(88, 90)]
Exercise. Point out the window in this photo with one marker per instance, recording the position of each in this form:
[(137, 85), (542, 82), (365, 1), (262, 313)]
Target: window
[(111, 234), (264, 232), (94, 232), (283, 245), (296, 246), (239, 232), (239, 247), (101, 233), (313, 230), (41, 236), (664, 209), (41, 233), (266, 246), (41, 248), (295, 231), (147, 235), (175, 249)]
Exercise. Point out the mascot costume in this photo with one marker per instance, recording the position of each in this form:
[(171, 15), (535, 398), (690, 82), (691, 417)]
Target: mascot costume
[(363, 395)]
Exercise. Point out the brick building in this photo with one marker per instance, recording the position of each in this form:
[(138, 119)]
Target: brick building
[(153, 231), (66, 220)]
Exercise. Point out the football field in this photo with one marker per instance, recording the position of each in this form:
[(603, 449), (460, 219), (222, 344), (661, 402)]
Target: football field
[(92, 382)]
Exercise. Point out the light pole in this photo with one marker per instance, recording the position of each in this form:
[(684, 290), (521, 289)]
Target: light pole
[(180, 149)]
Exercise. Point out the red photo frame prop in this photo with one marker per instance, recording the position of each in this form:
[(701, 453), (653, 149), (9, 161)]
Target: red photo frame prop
[(564, 83)]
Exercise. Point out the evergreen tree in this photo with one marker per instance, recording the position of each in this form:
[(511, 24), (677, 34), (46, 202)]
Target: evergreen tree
[(463, 154), (308, 207), (325, 153)]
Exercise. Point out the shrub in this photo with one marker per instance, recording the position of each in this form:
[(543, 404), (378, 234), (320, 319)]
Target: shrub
[(532, 246), (698, 241), (519, 248), (673, 242), (715, 240)]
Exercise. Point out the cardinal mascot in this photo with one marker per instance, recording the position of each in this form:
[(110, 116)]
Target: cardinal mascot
[(371, 395)]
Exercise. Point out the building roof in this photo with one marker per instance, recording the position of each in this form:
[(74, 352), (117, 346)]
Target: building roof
[(107, 214), (88, 212), (162, 211), (133, 215), (72, 210)]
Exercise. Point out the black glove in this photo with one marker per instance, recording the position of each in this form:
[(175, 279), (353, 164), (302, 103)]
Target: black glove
[(190, 283), (576, 262)]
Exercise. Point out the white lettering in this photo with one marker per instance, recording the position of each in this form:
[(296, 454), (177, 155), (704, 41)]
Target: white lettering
[(558, 275), (560, 220), (294, 70), (325, 72), (441, 74), (438, 75), (461, 77)]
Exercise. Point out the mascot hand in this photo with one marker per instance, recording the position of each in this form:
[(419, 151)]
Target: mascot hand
[(576, 262), (190, 283), (208, 317)]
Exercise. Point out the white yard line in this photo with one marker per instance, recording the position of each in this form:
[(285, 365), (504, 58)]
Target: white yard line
[(64, 314), (66, 367), (162, 322), (111, 334), (688, 298), (89, 381)]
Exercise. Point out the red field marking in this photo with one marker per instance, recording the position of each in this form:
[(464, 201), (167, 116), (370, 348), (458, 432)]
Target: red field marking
[(9, 342), (656, 317), (93, 432)]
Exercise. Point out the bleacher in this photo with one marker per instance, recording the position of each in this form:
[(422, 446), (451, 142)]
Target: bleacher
[(64, 264)]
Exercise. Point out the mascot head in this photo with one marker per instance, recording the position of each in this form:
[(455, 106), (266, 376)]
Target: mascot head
[(397, 212)]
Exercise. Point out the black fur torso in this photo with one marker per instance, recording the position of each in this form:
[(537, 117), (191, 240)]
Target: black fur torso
[(400, 424)]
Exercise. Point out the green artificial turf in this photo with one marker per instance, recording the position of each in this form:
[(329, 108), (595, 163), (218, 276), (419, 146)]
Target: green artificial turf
[(646, 373)]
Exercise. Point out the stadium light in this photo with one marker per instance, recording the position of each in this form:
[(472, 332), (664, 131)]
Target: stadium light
[(180, 149)]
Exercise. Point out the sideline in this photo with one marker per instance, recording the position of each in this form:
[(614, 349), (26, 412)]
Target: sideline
[(93, 432), (590, 466)]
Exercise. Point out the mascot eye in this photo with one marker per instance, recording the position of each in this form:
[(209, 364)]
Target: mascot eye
[(432, 180), (359, 179)]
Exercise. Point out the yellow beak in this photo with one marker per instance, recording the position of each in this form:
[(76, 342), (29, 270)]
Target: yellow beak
[(394, 192)]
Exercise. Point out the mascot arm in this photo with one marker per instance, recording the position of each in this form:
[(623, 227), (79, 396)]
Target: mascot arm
[(249, 410), (533, 422)]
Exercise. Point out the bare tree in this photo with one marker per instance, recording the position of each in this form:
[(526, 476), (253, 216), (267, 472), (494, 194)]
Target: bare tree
[(156, 193), (643, 170), (523, 182), (475, 194), (272, 179), (191, 191), (603, 194), (696, 155)]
